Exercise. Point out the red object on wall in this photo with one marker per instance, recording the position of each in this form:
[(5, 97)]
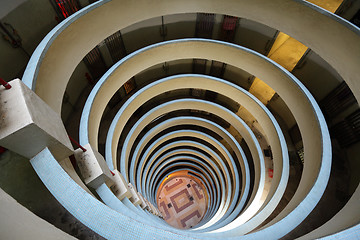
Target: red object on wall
[(229, 23), (67, 7), (2, 150), (89, 78), (77, 144), (5, 83), (271, 173)]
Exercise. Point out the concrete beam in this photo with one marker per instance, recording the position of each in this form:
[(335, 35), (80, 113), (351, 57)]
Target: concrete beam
[(143, 203), (120, 187), (93, 167), (135, 199), (28, 124)]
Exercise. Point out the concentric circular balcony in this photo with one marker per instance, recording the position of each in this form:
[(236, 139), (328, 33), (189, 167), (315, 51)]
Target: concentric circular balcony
[(205, 156)]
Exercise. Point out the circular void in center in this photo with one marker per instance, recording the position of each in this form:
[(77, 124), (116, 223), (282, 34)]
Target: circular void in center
[(182, 200)]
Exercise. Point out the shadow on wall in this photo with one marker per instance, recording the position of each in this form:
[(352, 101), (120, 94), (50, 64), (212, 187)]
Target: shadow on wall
[(19, 180)]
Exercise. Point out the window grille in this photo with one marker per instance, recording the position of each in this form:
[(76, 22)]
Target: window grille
[(65, 8), (130, 85), (95, 63), (337, 100), (204, 25), (116, 46), (347, 132)]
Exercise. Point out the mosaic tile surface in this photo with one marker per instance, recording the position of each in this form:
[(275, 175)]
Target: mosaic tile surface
[(182, 201)]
